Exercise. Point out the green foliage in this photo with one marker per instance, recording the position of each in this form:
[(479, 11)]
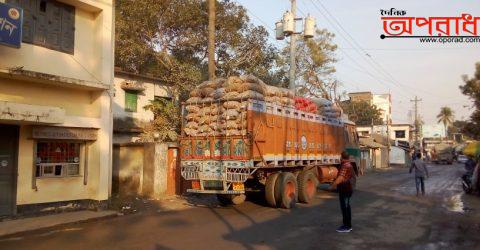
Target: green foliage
[(472, 90), (446, 117), (315, 60), (168, 38), (362, 112), (165, 126)]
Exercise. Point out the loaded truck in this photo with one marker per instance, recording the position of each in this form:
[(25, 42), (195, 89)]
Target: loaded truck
[(443, 153), (273, 143)]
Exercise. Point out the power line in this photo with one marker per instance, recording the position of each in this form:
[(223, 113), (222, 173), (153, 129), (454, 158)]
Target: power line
[(266, 25), (346, 54), (409, 49), (375, 65)]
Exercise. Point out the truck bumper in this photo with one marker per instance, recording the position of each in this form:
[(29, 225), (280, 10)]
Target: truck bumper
[(215, 191)]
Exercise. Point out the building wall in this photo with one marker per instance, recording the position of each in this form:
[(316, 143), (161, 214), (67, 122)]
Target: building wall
[(384, 103), (433, 131), (55, 189), (382, 129), (128, 169), (151, 90), (92, 59), (84, 105), (361, 96), (78, 103), (124, 120)]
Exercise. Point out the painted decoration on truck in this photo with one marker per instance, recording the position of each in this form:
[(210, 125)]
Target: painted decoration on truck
[(226, 148), (239, 148), (206, 148), (186, 148), (199, 148), (304, 142), (217, 148)]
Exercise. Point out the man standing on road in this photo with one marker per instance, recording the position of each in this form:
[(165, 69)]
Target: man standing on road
[(345, 183), (420, 173)]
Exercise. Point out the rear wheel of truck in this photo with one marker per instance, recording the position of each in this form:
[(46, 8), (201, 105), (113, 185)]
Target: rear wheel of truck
[(307, 186), (286, 190), (270, 189)]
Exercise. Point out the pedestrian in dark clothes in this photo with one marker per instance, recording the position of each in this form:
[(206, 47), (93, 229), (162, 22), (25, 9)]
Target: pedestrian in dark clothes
[(344, 184), (421, 172)]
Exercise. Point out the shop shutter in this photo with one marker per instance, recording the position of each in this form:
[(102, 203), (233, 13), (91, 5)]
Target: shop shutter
[(130, 101)]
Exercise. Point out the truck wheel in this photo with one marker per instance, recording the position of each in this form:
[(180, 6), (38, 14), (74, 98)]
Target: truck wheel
[(286, 190), (270, 189), (307, 186)]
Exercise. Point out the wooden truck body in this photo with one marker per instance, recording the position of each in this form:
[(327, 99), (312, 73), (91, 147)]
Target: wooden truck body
[(277, 139)]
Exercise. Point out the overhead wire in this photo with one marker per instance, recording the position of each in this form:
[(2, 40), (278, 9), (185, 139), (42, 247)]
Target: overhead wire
[(377, 67), (266, 25)]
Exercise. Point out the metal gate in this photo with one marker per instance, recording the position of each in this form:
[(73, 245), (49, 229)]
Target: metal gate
[(8, 168)]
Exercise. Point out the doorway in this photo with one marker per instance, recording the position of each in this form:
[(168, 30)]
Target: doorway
[(8, 168)]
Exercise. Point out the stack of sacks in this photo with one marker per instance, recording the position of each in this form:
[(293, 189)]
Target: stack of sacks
[(327, 108), (333, 112), (322, 105), (279, 96), (217, 108), (305, 105)]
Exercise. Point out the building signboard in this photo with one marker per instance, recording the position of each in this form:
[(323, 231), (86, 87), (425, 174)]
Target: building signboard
[(64, 133), (11, 19)]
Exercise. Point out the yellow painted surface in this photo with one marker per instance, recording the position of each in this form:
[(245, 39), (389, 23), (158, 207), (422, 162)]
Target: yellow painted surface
[(92, 57), (75, 102), (92, 61), (128, 169), (53, 189)]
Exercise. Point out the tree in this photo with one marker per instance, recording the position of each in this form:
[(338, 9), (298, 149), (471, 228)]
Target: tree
[(446, 117), (314, 60), (472, 90), (168, 38), (165, 126), (362, 112)]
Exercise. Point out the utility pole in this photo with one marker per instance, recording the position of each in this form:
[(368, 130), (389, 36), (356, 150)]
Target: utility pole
[(417, 122), (287, 27), (293, 39), (388, 140), (211, 39)]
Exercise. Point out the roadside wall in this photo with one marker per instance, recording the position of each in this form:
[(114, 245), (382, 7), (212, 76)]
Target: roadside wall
[(146, 169)]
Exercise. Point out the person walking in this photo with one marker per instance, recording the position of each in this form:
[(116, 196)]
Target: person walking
[(421, 172), (345, 183)]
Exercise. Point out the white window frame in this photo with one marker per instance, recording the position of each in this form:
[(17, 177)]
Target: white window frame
[(64, 165)]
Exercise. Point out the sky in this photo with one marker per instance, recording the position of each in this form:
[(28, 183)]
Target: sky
[(405, 68)]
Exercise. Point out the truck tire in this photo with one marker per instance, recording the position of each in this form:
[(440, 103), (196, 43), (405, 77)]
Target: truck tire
[(286, 190), (307, 186), (270, 189), (229, 199)]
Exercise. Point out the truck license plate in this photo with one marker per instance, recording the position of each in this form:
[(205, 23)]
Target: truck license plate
[(238, 186)]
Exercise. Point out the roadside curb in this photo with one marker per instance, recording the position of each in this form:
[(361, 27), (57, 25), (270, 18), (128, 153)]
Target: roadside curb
[(13, 233)]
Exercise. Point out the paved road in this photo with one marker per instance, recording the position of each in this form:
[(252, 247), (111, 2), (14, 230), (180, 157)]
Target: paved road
[(386, 215)]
